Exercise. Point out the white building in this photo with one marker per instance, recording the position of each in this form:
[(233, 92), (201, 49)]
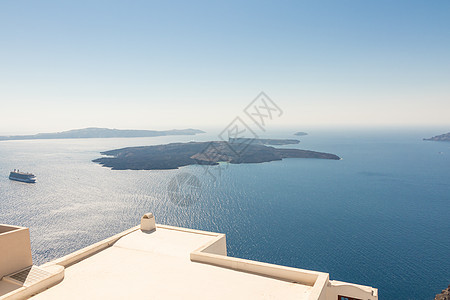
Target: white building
[(158, 262)]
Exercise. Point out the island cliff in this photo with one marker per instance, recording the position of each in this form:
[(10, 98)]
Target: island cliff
[(175, 155), (440, 138), (445, 295)]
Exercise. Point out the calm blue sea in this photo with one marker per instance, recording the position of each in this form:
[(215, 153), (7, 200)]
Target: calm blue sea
[(378, 217)]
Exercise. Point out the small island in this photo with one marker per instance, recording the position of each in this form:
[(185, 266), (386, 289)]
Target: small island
[(440, 138), (300, 133), (175, 155), (94, 132)]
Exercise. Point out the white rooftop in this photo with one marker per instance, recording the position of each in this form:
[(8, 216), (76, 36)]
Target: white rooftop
[(158, 265), (164, 262)]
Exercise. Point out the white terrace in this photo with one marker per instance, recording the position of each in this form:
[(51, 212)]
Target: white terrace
[(158, 262)]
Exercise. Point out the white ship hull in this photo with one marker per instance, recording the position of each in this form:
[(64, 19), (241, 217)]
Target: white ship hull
[(27, 179)]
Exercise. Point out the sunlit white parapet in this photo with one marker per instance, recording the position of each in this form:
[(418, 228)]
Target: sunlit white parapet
[(164, 262), (19, 278)]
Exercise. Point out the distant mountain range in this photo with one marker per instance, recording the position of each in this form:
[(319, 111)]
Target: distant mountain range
[(275, 142), (93, 132), (440, 138)]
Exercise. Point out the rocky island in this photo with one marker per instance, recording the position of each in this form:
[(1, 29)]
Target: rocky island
[(94, 132), (440, 138), (445, 295), (175, 155)]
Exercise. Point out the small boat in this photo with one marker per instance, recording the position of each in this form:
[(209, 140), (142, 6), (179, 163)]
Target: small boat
[(23, 177)]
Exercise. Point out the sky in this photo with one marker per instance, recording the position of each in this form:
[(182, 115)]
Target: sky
[(197, 64)]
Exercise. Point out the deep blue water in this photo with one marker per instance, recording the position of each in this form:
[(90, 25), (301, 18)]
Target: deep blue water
[(378, 217)]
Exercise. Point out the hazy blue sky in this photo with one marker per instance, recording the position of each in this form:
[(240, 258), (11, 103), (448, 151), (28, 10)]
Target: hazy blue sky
[(167, 64)]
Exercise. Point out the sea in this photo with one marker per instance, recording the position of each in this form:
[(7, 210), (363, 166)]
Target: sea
[(378, 217)]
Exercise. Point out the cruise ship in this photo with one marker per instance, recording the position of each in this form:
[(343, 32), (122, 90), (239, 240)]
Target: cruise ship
[(23, 177)]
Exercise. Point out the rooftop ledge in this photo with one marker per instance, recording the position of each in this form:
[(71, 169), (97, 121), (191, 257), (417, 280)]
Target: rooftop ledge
[(164, 262)]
